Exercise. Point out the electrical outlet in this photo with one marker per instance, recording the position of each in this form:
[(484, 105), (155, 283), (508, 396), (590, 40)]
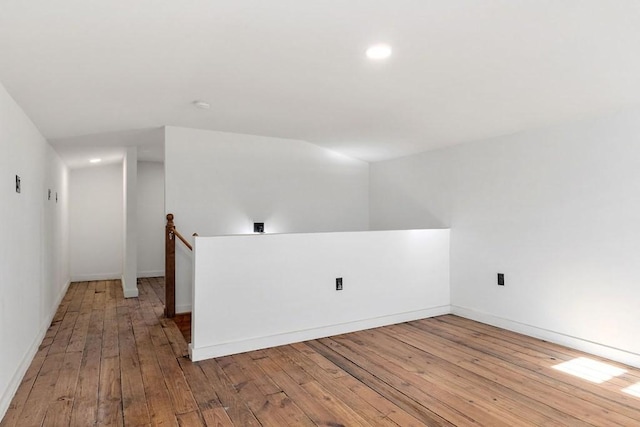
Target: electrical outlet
[(258, 227), (338, 283), (17, 184), (500, 279)]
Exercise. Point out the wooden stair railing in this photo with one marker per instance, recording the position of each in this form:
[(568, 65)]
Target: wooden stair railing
[(170, 265)]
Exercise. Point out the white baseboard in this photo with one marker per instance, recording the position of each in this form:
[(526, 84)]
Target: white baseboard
[(224, 349), (185, 308), (127, 291), (130, 293), (93, 277), (12, 388), (154, 273), (594, 348)]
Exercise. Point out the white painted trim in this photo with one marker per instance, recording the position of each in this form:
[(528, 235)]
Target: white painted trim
[(154, 273), (94, 277), (257, 343), (184, 308), (594, 348), (130, 293), (18, 375)]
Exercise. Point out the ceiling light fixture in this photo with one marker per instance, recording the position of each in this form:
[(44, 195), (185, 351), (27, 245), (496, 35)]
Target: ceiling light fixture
[(95, 160), (379, 51), (202, 105)]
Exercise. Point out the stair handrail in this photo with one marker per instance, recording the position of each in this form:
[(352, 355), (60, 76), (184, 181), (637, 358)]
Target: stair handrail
[(179, 236), (170, 265)]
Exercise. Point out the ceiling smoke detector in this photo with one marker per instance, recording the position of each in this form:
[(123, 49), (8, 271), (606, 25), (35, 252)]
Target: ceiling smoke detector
[(203, 105)]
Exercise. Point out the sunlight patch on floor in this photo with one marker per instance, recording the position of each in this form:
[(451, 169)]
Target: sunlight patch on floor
[(590, 370), (633, 390)]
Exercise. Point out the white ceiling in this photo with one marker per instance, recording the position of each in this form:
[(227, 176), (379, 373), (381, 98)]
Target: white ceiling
[(110, 147), (461, 70)]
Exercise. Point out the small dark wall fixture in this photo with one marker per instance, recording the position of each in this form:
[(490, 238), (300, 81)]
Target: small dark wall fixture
[(258, 227), (56, 197), (17, 184), (49, 195), (500, 279)]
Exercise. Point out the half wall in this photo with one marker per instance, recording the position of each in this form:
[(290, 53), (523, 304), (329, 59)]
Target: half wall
[(259, 291)]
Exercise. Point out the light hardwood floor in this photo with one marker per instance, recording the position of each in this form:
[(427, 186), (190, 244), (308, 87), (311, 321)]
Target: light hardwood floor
[(110, 361)]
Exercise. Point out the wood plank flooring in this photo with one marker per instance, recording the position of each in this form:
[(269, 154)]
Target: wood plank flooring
[(183, 322), (107, 361)]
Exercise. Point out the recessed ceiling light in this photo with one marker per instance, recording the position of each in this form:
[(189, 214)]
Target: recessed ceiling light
[(202, 105), (95, 160), (379, 51)]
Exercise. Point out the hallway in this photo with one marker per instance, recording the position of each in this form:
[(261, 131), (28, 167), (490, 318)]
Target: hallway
[(102, 350)]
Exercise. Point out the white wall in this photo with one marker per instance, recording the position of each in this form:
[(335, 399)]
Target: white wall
[(151, 219), (557, 210), (412, 192), (96, 222), (130, 223), (260, 291), (34, 267), (221, 183), (55, 236)]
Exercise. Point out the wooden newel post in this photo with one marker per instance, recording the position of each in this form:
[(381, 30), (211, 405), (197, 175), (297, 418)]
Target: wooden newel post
[(170, 268)]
